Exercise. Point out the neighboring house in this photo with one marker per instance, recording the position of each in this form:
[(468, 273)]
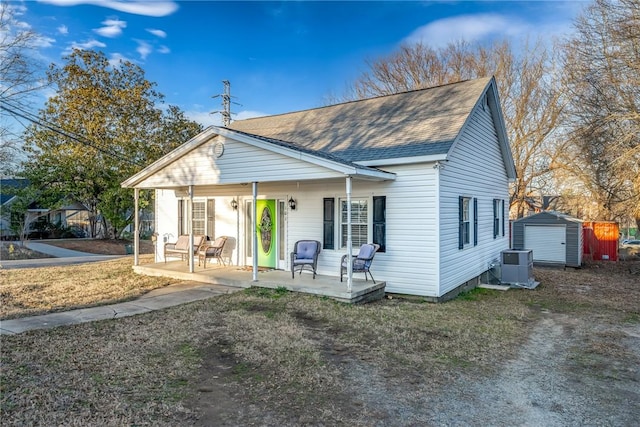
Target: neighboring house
[(9, 187), (427, 173), (72, 215)]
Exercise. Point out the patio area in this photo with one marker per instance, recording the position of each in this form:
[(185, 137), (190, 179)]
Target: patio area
[(242, 277)]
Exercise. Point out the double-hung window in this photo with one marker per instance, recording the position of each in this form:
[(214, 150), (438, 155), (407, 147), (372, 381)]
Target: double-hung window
[(368, 222), (359, 222), (199, 217), (467, 212), (202, 217)]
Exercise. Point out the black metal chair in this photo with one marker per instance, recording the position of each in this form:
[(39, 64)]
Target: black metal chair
[(305, 254)]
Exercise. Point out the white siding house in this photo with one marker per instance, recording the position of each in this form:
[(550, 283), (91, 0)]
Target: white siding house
[(427, 173)]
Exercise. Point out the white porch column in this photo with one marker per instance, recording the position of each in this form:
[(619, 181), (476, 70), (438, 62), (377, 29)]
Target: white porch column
[(136, 227), (191, 267), (349, 239), (254, 231)]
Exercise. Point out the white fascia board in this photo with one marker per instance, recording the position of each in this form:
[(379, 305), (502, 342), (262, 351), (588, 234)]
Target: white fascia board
[(505, 147), (170, 157), (306, 157), (403, 160)]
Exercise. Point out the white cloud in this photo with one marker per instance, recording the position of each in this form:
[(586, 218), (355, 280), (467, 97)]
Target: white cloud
[(112, 28), (43, 42), (164, 49), (204, 118), (157, 33), (62, 29), (472, 28), (144, 49), (89, 44), (116, 58), (488, 26), (137, 7)]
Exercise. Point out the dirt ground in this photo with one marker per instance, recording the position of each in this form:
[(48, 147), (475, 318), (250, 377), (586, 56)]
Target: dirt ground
[(579, 365)]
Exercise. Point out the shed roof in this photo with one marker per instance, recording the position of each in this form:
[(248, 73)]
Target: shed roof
[(558, 215)]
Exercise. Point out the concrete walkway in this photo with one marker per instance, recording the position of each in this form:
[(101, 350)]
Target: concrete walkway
[(158, 299), (61, 257)]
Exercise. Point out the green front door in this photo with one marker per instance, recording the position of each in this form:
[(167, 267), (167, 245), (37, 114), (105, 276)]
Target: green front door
[(266, 224)]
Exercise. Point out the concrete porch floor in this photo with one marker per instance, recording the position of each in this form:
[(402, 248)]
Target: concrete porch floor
[(242, 277)]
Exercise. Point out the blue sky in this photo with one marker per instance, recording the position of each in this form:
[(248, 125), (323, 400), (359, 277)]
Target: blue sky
[(278, 56)]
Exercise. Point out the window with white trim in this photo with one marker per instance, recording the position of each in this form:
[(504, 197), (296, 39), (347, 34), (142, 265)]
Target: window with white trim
[(466, 221), (199, 209), (203, 216), (465, 216), (497, 213), (359, 222)]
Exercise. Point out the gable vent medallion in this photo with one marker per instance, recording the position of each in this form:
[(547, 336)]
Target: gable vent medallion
[(218, 149)]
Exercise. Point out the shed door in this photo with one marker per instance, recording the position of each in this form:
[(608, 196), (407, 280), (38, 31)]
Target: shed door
[(548, 243)]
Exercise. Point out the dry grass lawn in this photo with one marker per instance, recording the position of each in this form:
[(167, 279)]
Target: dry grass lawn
[(271, 357), (32, 291)]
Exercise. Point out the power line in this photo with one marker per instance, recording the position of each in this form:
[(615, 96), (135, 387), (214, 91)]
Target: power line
[(56, 129)]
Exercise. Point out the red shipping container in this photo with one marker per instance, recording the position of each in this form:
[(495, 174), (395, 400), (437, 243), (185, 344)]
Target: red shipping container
[(600, 240)]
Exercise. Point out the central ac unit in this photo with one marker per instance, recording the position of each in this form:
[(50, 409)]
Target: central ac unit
[(517, 268)]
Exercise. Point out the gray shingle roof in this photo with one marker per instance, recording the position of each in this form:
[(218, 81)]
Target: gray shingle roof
[(416, 123)]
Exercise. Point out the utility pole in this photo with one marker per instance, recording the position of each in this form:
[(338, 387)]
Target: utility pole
[(226, 103)]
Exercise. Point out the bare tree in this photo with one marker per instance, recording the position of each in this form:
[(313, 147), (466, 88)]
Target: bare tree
[(602, 78), (20, 74), (529, 89)]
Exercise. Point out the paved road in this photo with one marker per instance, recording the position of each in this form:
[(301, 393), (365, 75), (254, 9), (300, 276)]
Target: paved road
[(61, 257)]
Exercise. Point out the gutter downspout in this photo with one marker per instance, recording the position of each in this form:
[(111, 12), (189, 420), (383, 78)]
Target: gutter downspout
[(349, 237), (254, 231)]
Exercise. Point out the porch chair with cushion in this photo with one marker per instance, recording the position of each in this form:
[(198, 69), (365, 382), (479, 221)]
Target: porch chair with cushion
[(361, 263), (212, 250), (305, 254), (181, 246)]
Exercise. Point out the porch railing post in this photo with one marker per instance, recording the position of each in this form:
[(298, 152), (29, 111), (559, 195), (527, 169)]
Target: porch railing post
[(191, 266), (349, 238), (254, 231), (136, 227)]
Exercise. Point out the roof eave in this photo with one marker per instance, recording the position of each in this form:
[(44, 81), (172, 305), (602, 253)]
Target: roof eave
[(346, 169), (404, 160)]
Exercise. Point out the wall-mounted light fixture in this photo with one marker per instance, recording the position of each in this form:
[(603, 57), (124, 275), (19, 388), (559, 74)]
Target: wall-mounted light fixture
[(292, 204), (234, 204)]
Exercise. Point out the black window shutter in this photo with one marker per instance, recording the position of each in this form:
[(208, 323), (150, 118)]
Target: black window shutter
[(496, 221), (211, 218), (380, 222), (180, 217), (475, 222), (329, 223), (504, 218), (460, 222)]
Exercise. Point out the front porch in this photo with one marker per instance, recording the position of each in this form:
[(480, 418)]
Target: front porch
[(242, 277)]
